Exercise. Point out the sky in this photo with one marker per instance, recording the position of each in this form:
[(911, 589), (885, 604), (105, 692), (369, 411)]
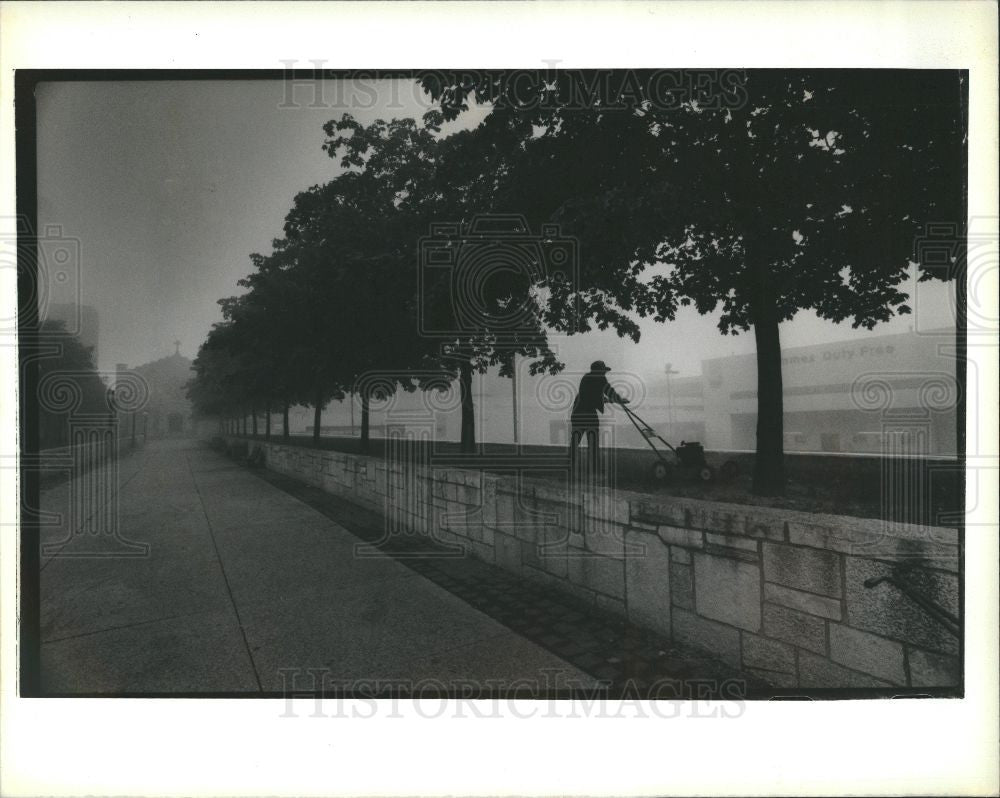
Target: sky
[(168, 187)]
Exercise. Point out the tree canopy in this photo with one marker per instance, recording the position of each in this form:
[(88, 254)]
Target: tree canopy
[(755, 195), (785, 191)]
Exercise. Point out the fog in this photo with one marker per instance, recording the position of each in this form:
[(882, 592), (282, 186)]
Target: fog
[(169, 186)]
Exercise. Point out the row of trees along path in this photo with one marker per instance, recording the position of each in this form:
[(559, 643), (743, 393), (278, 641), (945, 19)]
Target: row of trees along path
[(781, 192)]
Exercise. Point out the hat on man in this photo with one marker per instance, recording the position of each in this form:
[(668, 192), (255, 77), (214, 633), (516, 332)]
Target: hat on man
[(600, 366)]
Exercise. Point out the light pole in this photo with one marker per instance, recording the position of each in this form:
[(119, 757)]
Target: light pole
[(670, 371), (513, 388)]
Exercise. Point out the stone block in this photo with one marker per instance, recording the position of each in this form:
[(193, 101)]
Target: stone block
[(727, 590), (543, 578), (769, 655), (876, 527), (546, 554), (551, 494), (928, 669), (641, 526), (647, 582), (605, 537), (507, 551), (599, 504), (657, 512), (714, 638), (529, 531), (732, 554), (612, 605), (885, 610), (486, 535), (906, 551), (550, 511), (472, 478), (763, 523), (596, 573), (797, 628), (505, 512), (831, 537), (696, 515), (623, 511), (677, 554), (678, 536), (489, 503), (816, 671), (811, 603), (481, 551), (731, 541), (868, 653), (775, 678), (721, 520), (470, 495), (682, 585), (803, 568)]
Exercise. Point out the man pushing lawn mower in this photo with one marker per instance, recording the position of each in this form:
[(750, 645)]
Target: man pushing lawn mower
[(594, 392)]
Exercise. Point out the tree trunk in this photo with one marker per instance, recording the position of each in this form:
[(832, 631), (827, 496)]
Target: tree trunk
[(253, 413), (244, 425), (267, 421), (468, 445), (365, 421), (317, 414), (284, 421), (769, 463)]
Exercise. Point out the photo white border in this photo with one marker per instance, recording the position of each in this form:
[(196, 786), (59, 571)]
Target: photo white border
[(236, 747)]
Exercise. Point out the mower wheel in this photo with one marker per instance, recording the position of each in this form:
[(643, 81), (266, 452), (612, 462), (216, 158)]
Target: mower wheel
[(661, 471), (730, 470), (706, 473)]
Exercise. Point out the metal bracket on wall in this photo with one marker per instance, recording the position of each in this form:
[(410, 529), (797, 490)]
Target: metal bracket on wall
[(936, 611)]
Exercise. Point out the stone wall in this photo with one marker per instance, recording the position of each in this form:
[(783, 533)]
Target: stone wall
[(779, 593)]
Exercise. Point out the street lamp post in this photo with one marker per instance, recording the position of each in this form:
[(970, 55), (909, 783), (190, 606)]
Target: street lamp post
[(671, 420), (513, 388)]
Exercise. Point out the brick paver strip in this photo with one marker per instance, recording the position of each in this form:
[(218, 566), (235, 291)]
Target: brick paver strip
[(635, 662)]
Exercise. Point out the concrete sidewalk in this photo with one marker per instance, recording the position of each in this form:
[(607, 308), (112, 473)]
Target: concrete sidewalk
[(242, 582)]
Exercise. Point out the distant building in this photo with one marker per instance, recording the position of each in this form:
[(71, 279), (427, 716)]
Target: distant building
[(168, 411), (79, 320), (890, 393), (864, 395)]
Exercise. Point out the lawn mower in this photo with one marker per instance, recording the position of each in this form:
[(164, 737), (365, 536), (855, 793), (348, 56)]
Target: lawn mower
[(689, 456)]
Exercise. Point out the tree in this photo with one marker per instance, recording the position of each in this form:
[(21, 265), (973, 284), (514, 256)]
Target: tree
[(474, 314), (343, 235), (281, 328), (215, 389), (783, 191), (68, 383)]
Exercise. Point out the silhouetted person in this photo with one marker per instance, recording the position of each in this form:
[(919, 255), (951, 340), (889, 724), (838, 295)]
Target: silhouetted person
[(594, 391)]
